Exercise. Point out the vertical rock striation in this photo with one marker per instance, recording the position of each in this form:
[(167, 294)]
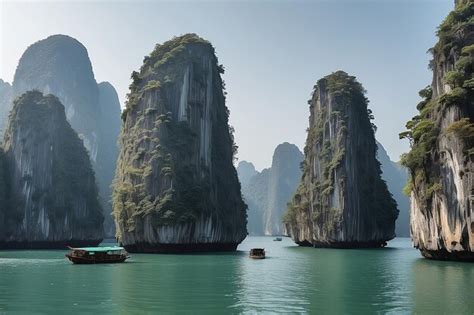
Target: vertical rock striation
[(60, 65), (176, 188), (108, 130), (441, 159), (342, 200), (53, 195)]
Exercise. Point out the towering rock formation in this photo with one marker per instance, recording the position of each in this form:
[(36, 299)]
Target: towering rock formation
[(176, 188), (255, 195), (284, 178), (268, 192), (395, 175), (6, 96), (441, 160), (60, 65), (342, 200), (53, 194), (108, 130)]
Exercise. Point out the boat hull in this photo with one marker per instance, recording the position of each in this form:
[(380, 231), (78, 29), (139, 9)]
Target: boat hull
[(90, 261)]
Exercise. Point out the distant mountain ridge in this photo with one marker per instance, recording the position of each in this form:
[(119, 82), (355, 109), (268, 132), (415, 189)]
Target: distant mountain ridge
[(396, 176), (60, 65), (267, 192)]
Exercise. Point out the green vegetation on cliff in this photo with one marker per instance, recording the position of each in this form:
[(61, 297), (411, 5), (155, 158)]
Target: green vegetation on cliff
[(53, 189), (423, 131), (441, 159), (177, 149), (341, 176)]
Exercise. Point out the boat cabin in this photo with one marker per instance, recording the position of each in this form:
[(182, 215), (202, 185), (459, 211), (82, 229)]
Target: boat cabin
[(257, 253)]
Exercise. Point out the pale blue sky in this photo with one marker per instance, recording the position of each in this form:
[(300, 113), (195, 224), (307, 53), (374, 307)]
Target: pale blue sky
[(273, 52)]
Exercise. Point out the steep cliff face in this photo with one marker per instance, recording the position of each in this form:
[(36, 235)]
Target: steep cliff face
[(4, 187), (268, 192), (6, 96), (255, 193), (176, 188), (342, 200), (395, 175), (442, 154), (108, 130), (54, 199), (285, 175), (60, 65)]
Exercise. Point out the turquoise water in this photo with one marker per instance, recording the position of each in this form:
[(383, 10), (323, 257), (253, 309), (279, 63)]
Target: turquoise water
[(291, 280)]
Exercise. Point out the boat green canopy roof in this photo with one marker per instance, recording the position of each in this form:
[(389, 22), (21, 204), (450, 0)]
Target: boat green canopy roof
[(99, 249)]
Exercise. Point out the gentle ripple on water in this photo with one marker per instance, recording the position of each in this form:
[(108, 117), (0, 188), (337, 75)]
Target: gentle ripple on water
[(291, 280)]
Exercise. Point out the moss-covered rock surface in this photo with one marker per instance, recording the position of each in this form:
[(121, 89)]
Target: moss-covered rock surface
[(341, 200), (176, 188)]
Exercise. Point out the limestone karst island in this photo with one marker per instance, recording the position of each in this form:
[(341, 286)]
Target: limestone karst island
[(237, 157)]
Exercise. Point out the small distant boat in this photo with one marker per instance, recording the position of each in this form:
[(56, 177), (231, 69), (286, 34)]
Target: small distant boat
[(97, 255), (277, 239), (257, 253)]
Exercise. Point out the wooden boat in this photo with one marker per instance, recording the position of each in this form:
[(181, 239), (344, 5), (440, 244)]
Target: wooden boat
[(277, 239), (257, 253), (97, 255)]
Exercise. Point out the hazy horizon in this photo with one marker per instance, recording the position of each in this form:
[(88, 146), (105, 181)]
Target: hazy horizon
[(273, 52)]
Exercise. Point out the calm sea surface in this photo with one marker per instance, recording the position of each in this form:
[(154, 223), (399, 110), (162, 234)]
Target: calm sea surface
[(291, 280)]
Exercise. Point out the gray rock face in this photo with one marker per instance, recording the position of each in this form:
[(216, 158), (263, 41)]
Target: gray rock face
[(441, 160), (255, 194), (284, 178), (176, 188), (395, 175), (60, 65), (109, 130), (245, 171), (53, 194), (268, 192), (342, 200), (6, 98)]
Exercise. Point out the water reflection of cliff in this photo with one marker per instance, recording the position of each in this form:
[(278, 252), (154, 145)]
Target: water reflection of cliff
[(442, 287)]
